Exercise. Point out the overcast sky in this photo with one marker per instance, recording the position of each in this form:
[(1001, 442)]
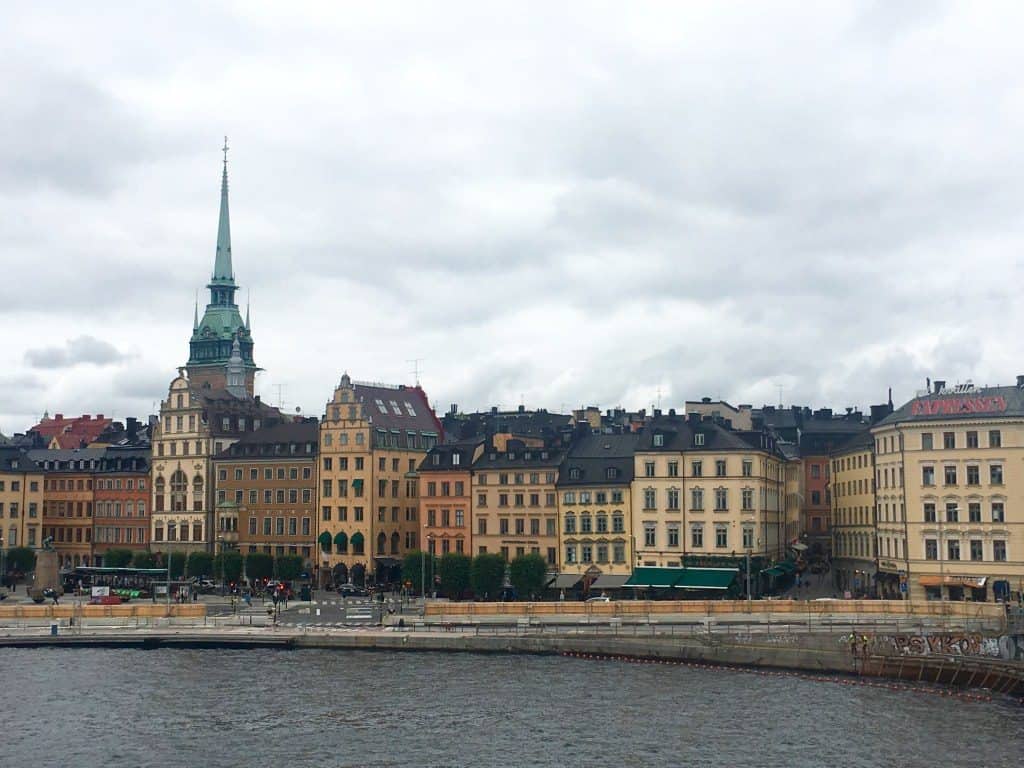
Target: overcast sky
[(550, 204)]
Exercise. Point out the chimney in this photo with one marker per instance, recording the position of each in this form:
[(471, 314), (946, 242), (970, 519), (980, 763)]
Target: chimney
[(657, 412), (693, 418), (494, 409), (59, 416), (131, 428), (671, 411), (522, 409), (705, 399), (1020, 381), (99, 416), (939, 385)]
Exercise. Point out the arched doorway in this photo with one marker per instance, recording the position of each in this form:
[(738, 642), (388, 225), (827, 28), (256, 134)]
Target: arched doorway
[(340, 574), (358, 574)]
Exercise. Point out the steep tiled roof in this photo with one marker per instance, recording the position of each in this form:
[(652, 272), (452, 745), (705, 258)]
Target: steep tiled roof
[(72, 432), (595, 459)]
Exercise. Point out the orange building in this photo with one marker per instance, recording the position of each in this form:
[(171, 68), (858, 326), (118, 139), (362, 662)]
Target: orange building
[(445, 496), (121, 501), (68, 498)]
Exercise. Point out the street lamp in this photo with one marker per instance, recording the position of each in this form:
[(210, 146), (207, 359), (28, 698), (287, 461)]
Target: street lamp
[(3, 563), (223, 587)]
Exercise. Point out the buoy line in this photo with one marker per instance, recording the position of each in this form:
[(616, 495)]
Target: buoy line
[(837, 679)]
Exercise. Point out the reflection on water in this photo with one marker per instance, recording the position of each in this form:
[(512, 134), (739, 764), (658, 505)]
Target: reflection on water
[(212, 708)]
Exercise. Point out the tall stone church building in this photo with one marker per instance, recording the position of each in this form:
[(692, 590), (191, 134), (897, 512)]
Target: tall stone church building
[(209, 405)]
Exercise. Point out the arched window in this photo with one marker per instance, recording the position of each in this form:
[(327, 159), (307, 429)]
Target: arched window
[(357, 543), (382, 542), (159, 488), (395, 541), (179, 491), (341, 543), (324, 540), (602, 523)]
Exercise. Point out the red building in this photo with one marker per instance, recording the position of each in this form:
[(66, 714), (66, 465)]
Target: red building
[(121, 501), (73, 432)]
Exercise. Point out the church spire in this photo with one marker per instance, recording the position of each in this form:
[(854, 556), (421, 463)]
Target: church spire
[(195, 314), (222, 269)]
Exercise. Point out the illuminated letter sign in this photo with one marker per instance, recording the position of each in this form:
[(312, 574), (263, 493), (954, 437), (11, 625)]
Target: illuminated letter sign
[(955, 406)]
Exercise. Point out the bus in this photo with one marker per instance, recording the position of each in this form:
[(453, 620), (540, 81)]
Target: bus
[(125, 583)]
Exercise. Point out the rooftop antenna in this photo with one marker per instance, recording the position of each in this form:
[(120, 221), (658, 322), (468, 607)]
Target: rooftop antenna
[(781, 406), (659, 397), (415, 369), (280, 394)]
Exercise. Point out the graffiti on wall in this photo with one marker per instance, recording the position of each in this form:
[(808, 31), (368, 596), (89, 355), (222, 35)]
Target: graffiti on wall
[(942, 644)]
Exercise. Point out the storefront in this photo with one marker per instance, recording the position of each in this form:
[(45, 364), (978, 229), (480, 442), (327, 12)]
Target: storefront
[(890, 581), (954, 587)]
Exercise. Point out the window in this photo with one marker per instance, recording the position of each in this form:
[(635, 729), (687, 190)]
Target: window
[(586, 553), (927, 476), (974, 512), (481, 526), (972, 439), (697, 499), (698, 438), (570, 553), (973, 474), (586, 524), (697, 468), (977, 551), (815, 472), (748, 468), (995, 439), (999, 551), (673, 469), (952, 513), (618, 524), (953, 549), (721, 499), (650, 498), (949, 475), (748, 537), (926, 441), (721, 537), (650, 535), (648, 469), (673, 535), (673, 498), (503, 526), (997, 512), (720, 468), (659, 441), (931, 549), (929, 513), (995, 474), (949, 441), (748, 500), (619, 552), (697, 536), (816, 497)]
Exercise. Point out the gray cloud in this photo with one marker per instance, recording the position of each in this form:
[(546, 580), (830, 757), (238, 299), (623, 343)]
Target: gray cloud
[(77, 351)]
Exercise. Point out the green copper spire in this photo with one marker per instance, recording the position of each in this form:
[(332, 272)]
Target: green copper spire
[(222, 270)]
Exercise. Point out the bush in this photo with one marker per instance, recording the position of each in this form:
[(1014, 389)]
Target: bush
[(289, 567), (528, 574), (415, 564), (21, 559), (487, 575), (454, 570), (232, 565), (200, 564), (259, 566), (144, 560)]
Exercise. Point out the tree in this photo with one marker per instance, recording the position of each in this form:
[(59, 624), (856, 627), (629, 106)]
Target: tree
[(487, 574), (527, 574), (416, 563), (232, 565), (144, 560), (177, 565), (259, 566), (117, 558), (289, 567), (21, 559), (200, 564), (454, 570)]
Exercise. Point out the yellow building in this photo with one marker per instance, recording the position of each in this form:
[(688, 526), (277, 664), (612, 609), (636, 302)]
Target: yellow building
[(21, 499), (853, 518), (706, 495), (515, 507), (949, 479), (372, 440), (794, 494), (594, 503)]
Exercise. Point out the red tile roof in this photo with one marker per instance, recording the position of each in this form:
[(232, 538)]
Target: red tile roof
[(72, 432)]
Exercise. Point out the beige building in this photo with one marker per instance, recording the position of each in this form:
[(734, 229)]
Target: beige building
[(739, 417), (705, 495), (950, 485), (515, 507), (21, 499), (854, 557), (594, 510), (372, 440)]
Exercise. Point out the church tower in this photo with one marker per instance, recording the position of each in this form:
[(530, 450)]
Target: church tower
[(221, 327)]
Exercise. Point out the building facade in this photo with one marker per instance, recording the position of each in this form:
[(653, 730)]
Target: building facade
[(68, 497), (854, 553), (445, 497), (373, 438), (594, 509), (121, 501), (515, 502), (21, 499), (950, 484), (265, 486)]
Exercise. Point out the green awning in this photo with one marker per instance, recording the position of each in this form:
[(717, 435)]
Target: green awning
[(773, 572), (660, 578), (325, 540), (341, 541), (706, 578)]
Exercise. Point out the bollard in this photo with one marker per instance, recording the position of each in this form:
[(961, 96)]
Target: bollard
[(53, 628)]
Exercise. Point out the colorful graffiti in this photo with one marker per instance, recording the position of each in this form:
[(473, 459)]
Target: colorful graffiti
[(942, 644)]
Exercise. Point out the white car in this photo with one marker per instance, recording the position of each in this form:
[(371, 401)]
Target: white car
[(599, 599)]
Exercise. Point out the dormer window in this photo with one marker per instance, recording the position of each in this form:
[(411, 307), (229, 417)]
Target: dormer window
[(380, 406), (659, 441), (574, 473), (526, 456), (612, 473), (698, 439), (455, 459), (436, 458), (544, 455)]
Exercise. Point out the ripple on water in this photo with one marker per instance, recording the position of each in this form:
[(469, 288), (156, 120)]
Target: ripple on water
[(213, 708)]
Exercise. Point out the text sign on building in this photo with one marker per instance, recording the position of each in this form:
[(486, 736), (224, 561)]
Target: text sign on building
[(954, 406)]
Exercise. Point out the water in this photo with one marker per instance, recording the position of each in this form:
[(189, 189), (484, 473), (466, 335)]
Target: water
[(213, 708)]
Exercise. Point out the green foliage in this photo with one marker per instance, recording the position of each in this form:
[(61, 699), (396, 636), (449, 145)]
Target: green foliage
[(259, 565), (527, 574), (454, 570), (486, 575), (20, 559), (232, 565), (289, 567), (200, 564), (117, 558), (415, 563), (144, 560), (177, 565)]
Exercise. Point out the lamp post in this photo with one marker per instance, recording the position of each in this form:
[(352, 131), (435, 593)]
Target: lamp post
[(3, 562), (223, 586)]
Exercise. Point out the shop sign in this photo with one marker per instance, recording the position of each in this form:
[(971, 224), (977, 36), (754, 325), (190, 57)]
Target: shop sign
[(955, 406), (885, 565)]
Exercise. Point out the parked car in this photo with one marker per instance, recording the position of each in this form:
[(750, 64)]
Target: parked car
[(351, 590), (599, 599)]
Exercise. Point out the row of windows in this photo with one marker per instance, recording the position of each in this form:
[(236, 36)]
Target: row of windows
[(518, 500), (595, 553), (672, 534), (518, 478), (954, 514), (894, 443), (116, 535), (596, 524), (976, 550), (342, 514), (446, 517), (721, 499), (328, 439), (33, 486), (854, 487), (697, 468), (178, 532), (860, 461), (187, 448), (446, 488), (973, 475), (276, 526), (518, 525), (61, 484), (504, 551), (291, 473), (270, 496), (14, 509), (114, 508), (66, 535), (599, 497), (67, 509), (359, 462)]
